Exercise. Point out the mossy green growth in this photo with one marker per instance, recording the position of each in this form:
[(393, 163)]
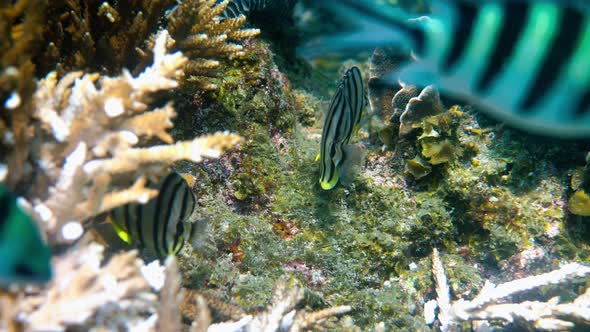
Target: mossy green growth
[(368, 244)]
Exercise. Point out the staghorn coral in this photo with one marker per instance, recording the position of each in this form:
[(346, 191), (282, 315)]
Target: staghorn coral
[(169, 318), (206, 38), (100, 36), (21, 25), (280, 315), (89, 127), (492, 303), (83, 289)]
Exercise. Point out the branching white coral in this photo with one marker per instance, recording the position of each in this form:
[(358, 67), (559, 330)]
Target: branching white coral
[(493, 301), (82, 287), (91, 125), (281, 314)]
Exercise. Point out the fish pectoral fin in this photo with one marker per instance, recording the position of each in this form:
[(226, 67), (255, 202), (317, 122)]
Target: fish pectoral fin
[(352, 165)]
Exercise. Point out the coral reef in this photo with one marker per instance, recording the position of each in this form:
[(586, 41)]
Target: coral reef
[(87, 136), (275, 252), (281, 314), (206, 38), (103, 36), (81, 288), (21, 25), (491, 304)]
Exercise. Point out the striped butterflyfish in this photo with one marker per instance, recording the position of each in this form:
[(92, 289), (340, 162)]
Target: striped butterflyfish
[(25, 256), (523, 62), (343, 117), (162, 225)]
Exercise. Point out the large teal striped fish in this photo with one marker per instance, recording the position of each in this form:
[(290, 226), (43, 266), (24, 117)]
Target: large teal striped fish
[(258, 7), (162, 225), (344, 115), (24, 257), (523, 62)]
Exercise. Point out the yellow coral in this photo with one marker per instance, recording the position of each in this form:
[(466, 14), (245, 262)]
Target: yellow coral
[(206, 38), (579, 203)]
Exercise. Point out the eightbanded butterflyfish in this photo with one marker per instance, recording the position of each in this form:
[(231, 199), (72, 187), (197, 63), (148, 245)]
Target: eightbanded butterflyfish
[(162, 225), (342, 119), (25, 257), (523, 62)]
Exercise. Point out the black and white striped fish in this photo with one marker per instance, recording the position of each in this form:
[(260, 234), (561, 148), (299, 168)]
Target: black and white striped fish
[(344, 114), (247, 7), (523, 62), (163, 224)]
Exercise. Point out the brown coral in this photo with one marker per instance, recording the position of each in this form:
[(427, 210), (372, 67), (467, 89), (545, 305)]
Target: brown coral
[(100, 36), (21, 24), (206, 38), (428, 103), (90, 125)]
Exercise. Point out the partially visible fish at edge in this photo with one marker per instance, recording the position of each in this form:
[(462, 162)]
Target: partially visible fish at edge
[(523, 62), (24, 256)]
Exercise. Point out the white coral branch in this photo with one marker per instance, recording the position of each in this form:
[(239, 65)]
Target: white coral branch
[(548, 316), (81, 287), (91, 125), (281, 314)]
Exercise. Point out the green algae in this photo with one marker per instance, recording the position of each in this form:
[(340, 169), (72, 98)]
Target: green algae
[(483, 196)]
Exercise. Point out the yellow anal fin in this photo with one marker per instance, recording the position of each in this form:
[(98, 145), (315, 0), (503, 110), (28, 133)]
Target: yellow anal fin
[(327, 185), (122, 233)]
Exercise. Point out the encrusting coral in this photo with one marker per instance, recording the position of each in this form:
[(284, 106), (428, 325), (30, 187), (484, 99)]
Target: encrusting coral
[(206, 38), (89, 128)]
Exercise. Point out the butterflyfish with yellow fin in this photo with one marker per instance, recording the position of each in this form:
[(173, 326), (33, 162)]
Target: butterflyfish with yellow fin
[(342, 119)]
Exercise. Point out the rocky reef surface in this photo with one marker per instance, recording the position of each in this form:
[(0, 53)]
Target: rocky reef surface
[(444, 196)]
